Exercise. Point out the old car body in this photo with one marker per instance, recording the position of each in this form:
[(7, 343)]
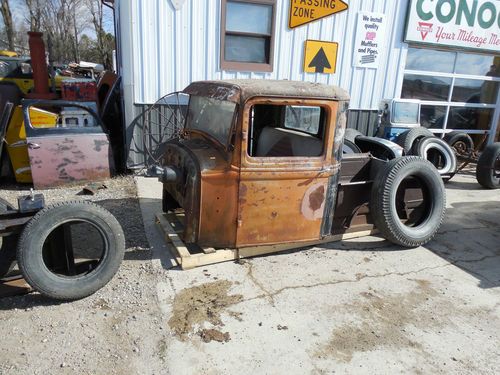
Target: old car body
[(237, 191), (258, 166)]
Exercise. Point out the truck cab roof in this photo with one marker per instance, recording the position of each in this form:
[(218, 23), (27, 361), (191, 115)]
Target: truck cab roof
[(240, 90)]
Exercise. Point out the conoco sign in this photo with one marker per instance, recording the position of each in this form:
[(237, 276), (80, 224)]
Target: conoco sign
[(470, 24)]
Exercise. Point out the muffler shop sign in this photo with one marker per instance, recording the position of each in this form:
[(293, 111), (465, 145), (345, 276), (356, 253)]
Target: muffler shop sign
[(471, 24)]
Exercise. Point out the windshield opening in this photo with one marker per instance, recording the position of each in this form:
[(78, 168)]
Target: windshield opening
[(211, 116)]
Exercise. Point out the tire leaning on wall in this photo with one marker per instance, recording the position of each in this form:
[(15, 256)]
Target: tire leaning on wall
[(408, 138), (439, 153), (488, 167), (38, 270), (385, 202)]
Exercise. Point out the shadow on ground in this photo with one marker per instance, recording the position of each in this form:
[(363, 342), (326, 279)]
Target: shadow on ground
[(470, 239)]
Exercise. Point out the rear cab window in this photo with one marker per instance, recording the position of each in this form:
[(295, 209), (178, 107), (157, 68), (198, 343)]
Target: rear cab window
[(286, 131)]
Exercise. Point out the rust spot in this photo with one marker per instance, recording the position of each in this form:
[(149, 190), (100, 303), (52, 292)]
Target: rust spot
[(98, 145), (243, 191), (316, 198), (306, 182), (313, 202), (65, 163)]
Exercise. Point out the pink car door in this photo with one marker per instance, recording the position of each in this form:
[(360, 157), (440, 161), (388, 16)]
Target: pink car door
[(71, 147)]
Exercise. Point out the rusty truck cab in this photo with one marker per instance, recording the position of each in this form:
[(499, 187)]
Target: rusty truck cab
[(258, 162)]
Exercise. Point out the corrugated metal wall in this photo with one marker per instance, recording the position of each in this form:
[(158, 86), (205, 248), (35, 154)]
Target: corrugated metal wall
[(163, 50)]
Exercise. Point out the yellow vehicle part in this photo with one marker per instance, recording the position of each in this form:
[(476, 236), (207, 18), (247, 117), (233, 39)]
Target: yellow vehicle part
[(7, 53), (16, 139), (26, 84)]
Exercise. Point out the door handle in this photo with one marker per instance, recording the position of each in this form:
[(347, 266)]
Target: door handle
[(33, 146)]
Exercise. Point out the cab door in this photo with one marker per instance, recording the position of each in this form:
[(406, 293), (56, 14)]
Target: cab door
[(73, 147), (288, 173)]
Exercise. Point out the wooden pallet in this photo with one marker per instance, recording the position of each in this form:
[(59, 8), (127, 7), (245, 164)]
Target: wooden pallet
[(191, 256), (13, 286)]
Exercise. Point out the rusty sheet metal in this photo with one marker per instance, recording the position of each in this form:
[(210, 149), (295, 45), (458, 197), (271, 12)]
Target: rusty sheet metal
[(59, 160), (333, 182), (207, 190), (283, 199), (219, 90), (245, 89), (280, 207), (219, 207), (233, 200)]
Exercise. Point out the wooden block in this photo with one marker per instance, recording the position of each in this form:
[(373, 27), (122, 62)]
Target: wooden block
[(13, 286)]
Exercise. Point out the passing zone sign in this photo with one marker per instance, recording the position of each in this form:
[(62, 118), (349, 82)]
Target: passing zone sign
[(305, 11)]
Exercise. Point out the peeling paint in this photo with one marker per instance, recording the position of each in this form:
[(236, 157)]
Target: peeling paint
[(313, 203), (63, 160)]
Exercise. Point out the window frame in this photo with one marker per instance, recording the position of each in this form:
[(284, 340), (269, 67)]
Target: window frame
[(288, 161), (246, 66), (449, 104), (228, 145)]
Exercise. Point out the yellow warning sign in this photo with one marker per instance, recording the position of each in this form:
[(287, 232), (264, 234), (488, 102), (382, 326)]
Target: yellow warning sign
[(320, 56), (305, 11)]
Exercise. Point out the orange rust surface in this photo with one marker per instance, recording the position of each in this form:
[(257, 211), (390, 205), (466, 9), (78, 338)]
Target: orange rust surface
[(282, 199), (219, 197), (246, 201)]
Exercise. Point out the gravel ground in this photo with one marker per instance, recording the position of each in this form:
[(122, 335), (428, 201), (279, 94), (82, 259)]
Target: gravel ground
[(110, 332), (361, 306)]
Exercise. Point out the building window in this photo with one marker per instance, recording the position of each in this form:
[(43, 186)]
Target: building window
[(458, 91), (247, 35)]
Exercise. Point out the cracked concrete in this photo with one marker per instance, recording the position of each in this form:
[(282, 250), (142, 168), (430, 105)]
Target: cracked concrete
[(357, 306)]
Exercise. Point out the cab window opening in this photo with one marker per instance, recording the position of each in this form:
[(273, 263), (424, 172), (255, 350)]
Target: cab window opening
[(286, 131)]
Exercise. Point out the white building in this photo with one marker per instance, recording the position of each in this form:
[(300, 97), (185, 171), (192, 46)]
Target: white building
[(445, 53)]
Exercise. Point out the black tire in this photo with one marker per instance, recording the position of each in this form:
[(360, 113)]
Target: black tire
[(7, 245), (349, 147), (488, 167), (77, 280), (460, 142), (386, 201), (378, 147), (407, 138), (351, 134), (439, 153)]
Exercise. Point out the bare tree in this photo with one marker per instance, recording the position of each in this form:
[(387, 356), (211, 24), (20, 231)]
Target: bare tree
[(7, 20), (96, 10), (61, 21), (35, 14), (76, 29)]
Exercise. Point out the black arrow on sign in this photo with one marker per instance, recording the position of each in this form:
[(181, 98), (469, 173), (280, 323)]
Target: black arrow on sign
[(320, 62)]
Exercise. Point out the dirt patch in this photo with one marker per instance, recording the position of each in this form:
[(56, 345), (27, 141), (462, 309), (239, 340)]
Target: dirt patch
[(208, 335), (197, 305), (384, 319)]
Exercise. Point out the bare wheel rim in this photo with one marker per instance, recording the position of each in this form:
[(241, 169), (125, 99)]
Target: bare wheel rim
[(163, 121), (460, 147)]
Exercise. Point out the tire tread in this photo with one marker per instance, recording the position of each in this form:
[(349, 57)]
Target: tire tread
[(484, 174), (37, 220), (381, 201)]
